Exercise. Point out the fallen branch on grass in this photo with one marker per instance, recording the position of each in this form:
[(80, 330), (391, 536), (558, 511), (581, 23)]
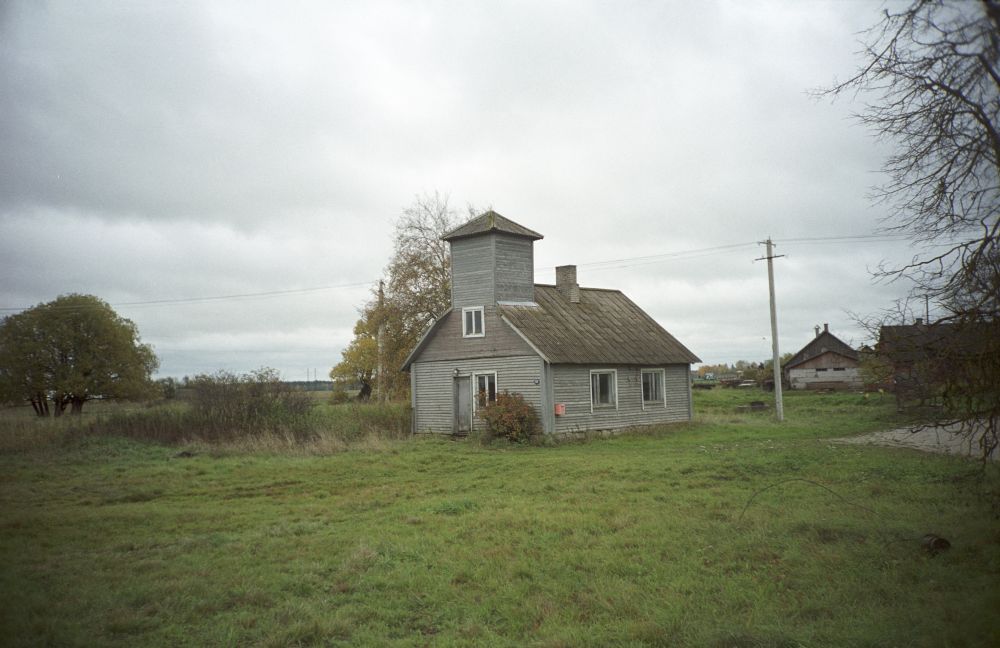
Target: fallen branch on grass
[(808, 481)]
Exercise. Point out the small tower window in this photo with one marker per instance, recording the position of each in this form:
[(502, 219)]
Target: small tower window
[(472, 322)]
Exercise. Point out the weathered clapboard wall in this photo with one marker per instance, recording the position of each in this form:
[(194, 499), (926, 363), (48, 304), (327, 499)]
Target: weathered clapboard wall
[(826, 371), (499, 340), (832, 378), (490, 268), (434, 387), (571, 387), (515, 268), (472, 272)]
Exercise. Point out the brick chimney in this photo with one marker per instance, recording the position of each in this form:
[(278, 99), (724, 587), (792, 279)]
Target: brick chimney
[(826, 328), (566, 283)]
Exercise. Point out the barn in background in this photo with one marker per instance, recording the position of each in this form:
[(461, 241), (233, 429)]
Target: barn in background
[(825, 363)]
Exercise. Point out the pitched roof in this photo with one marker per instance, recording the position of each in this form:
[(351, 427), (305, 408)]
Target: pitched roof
[(490, 222), (823, 343), (606, 327), (938, 341)]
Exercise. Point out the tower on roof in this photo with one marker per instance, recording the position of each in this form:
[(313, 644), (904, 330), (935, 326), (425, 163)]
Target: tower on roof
[(492, 260)]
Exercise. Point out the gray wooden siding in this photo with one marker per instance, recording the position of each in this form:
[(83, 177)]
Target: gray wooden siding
[(490, 268), (434, 396), (515, 268), (830, 378), (548, 402), (472, 272), (499, 339), (571, 386)]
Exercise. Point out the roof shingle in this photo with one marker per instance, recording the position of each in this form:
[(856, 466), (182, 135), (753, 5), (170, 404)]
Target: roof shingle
[(606, 327), (824, 342), (490, 222)]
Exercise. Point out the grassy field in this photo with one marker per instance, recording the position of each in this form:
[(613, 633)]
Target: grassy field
[(644, 539)]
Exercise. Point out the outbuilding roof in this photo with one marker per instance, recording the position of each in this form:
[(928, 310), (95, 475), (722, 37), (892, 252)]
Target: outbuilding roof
[(825, 342), (605, 327), (939, 341), (490, 222)]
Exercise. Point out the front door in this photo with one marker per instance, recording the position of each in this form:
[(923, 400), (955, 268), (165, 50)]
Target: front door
[(463, 405)]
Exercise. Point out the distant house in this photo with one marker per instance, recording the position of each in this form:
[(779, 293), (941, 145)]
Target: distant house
[(586, 358), (922, 358), (825, 362), (915, 355)]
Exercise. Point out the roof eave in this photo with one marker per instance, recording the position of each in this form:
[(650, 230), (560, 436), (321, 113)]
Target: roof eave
[(486, 223)]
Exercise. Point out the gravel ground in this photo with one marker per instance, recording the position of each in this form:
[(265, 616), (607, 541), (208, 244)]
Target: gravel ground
[(927, 439)]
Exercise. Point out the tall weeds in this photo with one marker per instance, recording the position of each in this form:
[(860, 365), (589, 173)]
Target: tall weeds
[(223, 407), (258, 411), (226, 406)]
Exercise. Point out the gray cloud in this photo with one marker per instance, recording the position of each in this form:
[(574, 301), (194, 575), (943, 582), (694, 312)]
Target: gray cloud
[(162, 151)]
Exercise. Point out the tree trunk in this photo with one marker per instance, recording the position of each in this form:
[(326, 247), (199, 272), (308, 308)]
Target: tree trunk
[(40, 404), (366, 391), (77, 406)]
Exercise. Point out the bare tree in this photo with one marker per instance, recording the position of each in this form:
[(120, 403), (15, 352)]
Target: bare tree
[(931, 81), (419, 272), (417, 290)]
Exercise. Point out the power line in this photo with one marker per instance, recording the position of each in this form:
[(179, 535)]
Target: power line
[(270, 293), (211, 298), (669, 255), (608, 264), (860, 238)]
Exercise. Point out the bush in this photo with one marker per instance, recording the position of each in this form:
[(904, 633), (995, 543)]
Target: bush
[(226, 404), (510, 417), (339, 396), (223, 407)]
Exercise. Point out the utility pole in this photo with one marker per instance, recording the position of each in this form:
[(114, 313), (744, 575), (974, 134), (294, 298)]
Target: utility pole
[(379, 380), (779, 408)]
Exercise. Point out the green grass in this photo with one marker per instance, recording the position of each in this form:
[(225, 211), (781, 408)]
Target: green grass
[(634, 540)]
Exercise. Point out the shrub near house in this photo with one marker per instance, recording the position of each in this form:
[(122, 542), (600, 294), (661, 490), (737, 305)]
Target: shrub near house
[(510, 417)]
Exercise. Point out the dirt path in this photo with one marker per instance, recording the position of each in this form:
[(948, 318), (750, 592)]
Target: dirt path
[(929, 439)]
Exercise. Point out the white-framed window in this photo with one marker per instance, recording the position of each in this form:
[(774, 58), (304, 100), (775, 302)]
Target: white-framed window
[(603, 389), (472, 322), (652, 387), (485, 386)]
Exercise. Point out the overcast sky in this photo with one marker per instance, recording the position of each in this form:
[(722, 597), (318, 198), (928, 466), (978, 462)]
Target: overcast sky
[(174, 151)]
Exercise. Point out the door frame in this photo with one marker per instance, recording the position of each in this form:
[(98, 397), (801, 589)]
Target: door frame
[(458, 392)]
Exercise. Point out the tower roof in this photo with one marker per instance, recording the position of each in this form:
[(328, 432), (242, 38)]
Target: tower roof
[(490, 222)]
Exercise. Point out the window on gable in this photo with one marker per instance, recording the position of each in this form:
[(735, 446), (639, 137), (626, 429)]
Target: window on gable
[(472, 322), (652, 386), (486, 389), (603, 390)]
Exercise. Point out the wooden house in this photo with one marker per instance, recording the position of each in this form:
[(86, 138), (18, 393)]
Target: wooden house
[(923, 360), (586, 358), (825, 362)]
